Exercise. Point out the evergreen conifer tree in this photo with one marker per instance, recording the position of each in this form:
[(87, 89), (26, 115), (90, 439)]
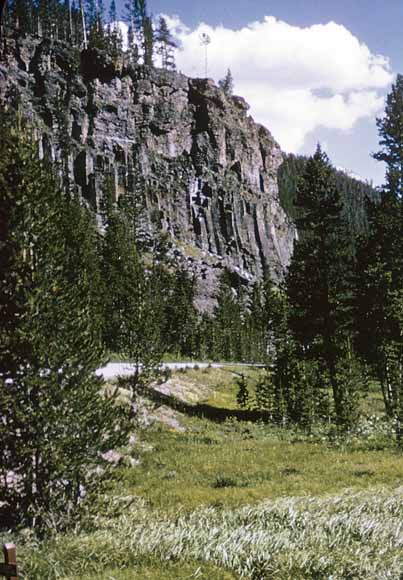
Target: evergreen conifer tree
[(390, 128), (165, 45), (148, 42), (3, 4), (132, 306), (380, 266), (318, 284), (141, 34), (228, 320), (227, 83), (54, 421)]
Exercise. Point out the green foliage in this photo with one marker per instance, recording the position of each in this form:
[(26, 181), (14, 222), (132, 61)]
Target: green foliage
[(240, 327), (165, 44), (227, 84), (55, 19), (352, 380), (390, 128), (179, 320), (82, 24), (353, 195), (360, 310), (227, 321), (380, 267), (221, 485), (54, 422), (243, 392), (132, 299), (319, 277), (293, 391), (141, 31)]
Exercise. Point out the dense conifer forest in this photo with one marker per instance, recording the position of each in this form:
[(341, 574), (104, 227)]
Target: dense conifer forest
[(354, 194), (79, 288)]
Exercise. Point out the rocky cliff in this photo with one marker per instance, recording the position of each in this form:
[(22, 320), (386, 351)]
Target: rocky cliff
[(210, 171)]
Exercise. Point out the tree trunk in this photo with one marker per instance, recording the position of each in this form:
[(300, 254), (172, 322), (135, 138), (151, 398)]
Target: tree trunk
[(2, 12), (85, 42)]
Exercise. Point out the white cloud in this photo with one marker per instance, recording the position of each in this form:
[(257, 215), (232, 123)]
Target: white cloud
[(295, 79)]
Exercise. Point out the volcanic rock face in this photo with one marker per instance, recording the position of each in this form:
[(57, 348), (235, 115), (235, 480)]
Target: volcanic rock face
[(210, 171)]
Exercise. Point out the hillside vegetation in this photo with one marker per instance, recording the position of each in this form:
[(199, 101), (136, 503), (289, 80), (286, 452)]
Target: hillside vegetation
[(287, 468), (354, 193), (238, 500)]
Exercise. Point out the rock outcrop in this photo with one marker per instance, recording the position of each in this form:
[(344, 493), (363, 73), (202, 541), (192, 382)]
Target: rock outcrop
[(210, 171)]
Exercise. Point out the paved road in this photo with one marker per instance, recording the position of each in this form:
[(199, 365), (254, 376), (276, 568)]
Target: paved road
[(113, 370)]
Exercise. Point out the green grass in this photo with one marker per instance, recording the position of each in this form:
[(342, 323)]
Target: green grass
[(223, 383), (240, 500), (373, 404), (184, 469), (345, 536), (157, 569), (220, 383)]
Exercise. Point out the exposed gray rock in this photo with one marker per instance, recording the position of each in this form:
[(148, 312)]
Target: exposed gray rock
[(210, 170), (112, 456)]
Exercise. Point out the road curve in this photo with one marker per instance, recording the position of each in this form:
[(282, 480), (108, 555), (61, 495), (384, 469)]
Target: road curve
[(124, 369)]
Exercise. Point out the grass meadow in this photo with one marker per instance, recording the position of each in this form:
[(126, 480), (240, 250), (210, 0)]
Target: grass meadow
[(237, 499)]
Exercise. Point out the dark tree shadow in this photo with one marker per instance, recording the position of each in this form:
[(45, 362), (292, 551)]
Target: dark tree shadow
[(203, 410)]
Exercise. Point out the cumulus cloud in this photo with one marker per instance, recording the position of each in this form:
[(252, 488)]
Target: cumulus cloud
[(295, 79)]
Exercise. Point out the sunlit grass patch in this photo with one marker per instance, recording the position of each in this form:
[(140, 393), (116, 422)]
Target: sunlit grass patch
[(221, 383), (149, 568), (222, 386), (184, 469), (349, 535), (232, 500)]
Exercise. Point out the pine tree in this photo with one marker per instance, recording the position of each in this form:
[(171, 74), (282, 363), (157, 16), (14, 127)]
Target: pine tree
[(254, 331), (3, 4), (228, 320), (54, 421), (112, 12), (227, 83), (141, 34), (132, 305), (22, 16), (353, 194), (179, 317), (379, 287), (114, 33), (291, 389), (380, 266), (148, 42), (318, 286), (165, 45), (390, 128)]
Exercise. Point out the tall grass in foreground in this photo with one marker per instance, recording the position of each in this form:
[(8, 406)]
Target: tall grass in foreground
[(353, 535)]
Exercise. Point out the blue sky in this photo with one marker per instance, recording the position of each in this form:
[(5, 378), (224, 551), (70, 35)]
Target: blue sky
[(306, 83)]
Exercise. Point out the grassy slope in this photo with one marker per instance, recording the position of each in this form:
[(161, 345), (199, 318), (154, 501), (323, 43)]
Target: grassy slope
[(193, 507), (149, 568), (235, 464)]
